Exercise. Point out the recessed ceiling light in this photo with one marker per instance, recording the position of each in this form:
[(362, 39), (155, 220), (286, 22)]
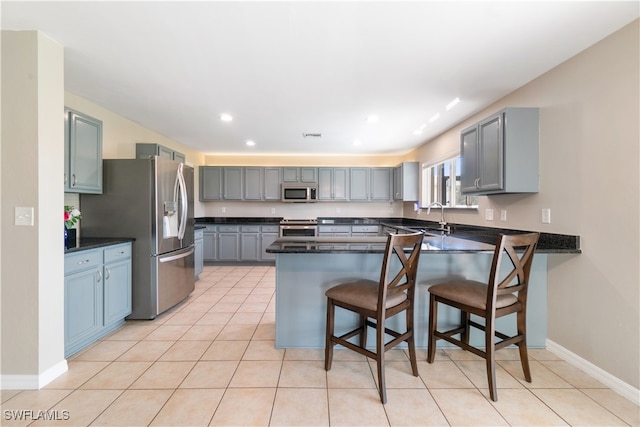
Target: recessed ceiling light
[(373, 118), (226, 117), (250, 143), (434, 118), (452, 104)]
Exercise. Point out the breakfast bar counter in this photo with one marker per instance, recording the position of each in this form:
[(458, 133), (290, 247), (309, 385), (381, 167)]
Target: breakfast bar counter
[(307, 266)]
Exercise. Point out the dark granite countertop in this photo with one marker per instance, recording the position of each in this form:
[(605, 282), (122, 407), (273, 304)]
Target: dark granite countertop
[(237, 220), (98, 242), (374, 244)]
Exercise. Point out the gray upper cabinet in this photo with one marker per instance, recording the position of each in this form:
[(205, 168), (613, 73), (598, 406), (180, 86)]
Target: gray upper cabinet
[(370, 184), (272, 183), (405, 182), (500, 153), (83, 153), (145, 150), (253, 183), (232, 183), (359, 184), (300, 174), (333, 183), (210, 183), (381, 180)]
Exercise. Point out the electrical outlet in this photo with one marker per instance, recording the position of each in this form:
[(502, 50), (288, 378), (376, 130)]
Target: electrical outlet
[(224, 209), (337, 210), (546, 216), (273, 211), (503, 214), (488, 214), (24, 216)]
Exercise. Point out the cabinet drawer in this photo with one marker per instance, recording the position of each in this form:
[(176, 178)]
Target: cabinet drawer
[(117, 253), (228, 228), (334, 229), (250, 228), (82, 261), (210, 228), (364, 229), (198, 234), (270, 228)]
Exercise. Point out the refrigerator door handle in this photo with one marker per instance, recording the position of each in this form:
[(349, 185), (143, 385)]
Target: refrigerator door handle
[(180, 192), (181, 254)]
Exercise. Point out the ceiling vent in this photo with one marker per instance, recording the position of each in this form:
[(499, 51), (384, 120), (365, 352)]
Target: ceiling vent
[(311, 135)]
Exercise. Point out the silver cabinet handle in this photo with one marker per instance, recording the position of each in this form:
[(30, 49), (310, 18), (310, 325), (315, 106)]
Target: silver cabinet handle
[(107, 273), (75, 180), (99, 275)]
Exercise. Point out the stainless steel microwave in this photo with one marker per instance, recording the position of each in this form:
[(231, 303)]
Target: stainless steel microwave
[(301, 193)]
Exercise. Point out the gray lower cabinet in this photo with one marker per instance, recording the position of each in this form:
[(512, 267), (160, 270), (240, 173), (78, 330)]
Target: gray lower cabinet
[(238, 242), (268, 235), (83, 153), (249, 243), (228, 243), (198, 242), (97, 294), (334, 230), (210, 243)]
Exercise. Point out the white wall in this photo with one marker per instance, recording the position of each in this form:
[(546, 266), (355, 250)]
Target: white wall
[(32, 256), (589, 157)]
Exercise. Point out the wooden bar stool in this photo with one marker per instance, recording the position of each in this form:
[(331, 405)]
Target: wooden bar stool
[(391, 295)]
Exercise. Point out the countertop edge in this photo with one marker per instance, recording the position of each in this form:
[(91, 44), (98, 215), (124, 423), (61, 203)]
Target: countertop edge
[(98, 242)]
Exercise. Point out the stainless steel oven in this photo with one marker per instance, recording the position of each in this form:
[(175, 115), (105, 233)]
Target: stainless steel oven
[(298, 227)]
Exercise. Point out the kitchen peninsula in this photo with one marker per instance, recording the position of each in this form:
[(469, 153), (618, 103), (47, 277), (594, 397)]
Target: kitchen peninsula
[(307, 266)]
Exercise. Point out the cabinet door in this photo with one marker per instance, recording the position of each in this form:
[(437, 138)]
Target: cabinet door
[(210, 183), (308, 174), (380, 184), (117, 291), (340, 183), (491, 159), (232, 183), (249, 246), (228, 246), (85, 154), (272, 183), (198, 257), (82, 307), (179, 157), (469, 159), (253, 178), (165, 153), (266, 239), (359, 184), (325, 183), (209, 246)]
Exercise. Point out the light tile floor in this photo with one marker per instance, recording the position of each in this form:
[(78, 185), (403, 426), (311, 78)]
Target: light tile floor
[(211, 361)]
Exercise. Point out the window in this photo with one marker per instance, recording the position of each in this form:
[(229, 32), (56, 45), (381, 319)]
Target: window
[(441, 183)]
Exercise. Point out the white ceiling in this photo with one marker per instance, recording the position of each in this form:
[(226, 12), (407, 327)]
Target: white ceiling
[(287, 68)]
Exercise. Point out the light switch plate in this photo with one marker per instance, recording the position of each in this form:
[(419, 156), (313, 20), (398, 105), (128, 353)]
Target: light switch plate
[(546, 216), (488, 214), (503, 215), (24, 216)]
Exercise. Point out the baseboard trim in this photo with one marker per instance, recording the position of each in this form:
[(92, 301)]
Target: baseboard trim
[(33, 382), (615, 383)]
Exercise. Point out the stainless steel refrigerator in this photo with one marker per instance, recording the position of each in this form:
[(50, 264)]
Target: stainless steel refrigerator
[(150, 200)]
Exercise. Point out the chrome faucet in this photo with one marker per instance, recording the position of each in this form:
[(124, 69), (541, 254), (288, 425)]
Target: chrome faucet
[(443, 223)]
